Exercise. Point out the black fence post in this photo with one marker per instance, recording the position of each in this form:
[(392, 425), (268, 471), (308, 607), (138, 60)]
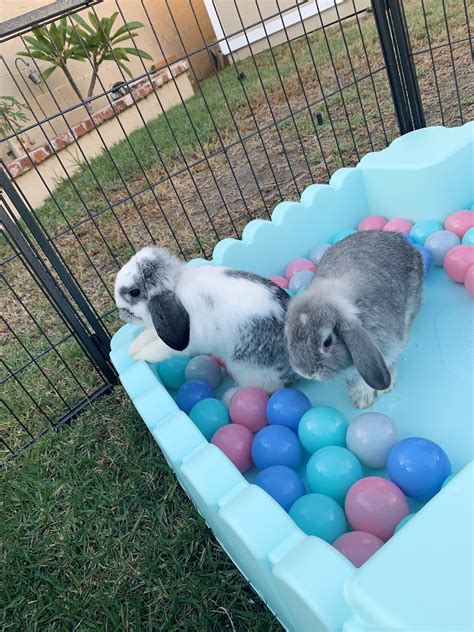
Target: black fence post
[(395, 42)]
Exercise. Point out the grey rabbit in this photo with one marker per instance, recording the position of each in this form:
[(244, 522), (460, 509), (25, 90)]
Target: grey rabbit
[(357, 313)]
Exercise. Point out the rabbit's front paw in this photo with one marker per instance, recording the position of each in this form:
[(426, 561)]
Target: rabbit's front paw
[(361, 394), (156, 351), (142, 341)]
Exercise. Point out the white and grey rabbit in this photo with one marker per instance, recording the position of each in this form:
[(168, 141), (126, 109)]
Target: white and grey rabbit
[(236, 315), (357, 313)]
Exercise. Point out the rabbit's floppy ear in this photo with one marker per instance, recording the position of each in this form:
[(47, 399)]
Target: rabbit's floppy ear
[(365, 355), (170, 320)]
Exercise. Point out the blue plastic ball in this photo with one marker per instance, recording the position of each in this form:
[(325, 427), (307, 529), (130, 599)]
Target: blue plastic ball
[(419, 467), (422, 230), (301, 291), (204, 368), (322, 426), (317, 253), (282, 483), (342, 234), (290, 292), (319, 515), (286, 407), (426, 257), (403, 522), (468, 239), (332, 471), (172, 371), (438, 244), (209, 415), (300, 279), (191, 393), (276, 445), (409, 238)]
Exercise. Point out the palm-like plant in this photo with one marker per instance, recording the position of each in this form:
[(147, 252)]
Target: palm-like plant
[(12, 114), (99, 44), (93, 41)]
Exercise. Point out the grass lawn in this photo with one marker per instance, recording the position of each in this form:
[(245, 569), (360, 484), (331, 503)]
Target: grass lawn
[(96, 533)]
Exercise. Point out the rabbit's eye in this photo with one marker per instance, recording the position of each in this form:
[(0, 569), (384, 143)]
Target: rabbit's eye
[(134, 293), (327, 343)]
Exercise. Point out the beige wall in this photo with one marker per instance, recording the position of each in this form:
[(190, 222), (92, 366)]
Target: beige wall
[(91, 145), (170, 45)]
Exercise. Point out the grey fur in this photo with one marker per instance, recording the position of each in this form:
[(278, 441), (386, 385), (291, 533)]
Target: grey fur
[(277, 292), (380, 275)]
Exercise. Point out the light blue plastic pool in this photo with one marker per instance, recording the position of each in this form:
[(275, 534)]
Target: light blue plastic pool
[(422, 579)]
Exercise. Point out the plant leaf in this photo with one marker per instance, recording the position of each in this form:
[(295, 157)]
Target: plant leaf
[(45, 74), (128, 26), (138, 52), (124, 68), (80, 20)]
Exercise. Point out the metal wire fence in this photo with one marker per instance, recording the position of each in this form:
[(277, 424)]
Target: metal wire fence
[(295, 93)]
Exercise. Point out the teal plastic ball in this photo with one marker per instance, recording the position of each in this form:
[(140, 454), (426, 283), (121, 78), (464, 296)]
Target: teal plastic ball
[(172, 371), (322, 426), (332, 471), (468, 239), (319, 515), (422, 230), (209, 415)]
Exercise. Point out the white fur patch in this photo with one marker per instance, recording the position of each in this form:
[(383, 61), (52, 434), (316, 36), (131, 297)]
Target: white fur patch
[(304, 319), (336, 292)]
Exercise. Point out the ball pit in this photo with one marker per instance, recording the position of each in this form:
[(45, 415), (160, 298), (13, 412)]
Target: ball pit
[(342, 234), (469, 280), (209, 415), (460, 222), (228, 395), (276, 445), (332, 471), (458, 261), (317, 253), (438, 244), (282, 483), (191, 392), (320, 427), (422, 230), (419, 467), (248, 408), (298, 265), (370, 437), (399, 225), (358, 546), (468, 238), (372, 222), (172, 371), (319, 515), (376, 506), (204, 368), (281, 281), (300, 280), (235, 441), (286, 407)]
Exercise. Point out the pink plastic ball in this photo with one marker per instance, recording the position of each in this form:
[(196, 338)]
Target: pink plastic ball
[(460, 222), (297, 266), (372, 222), (375, 505), (248, 408), (281, 281), (235, 441), (399, 226), (458, 261), (469, 280), (358, 546)]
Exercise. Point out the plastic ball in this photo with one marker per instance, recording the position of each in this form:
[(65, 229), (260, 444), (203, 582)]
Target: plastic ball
[(300, 279), (419, 467), (372, 222), (358, 546), (317, 253), (171, 371), (399, 225), (460, 222), (425, 256), (282, 483), (447, 480), (235, 441), (458, 261), (439, 244), (342, 234), (370, 437), (191, 393), (286, 407), (422, 230), (290, 293), (219, 360), (375, 505), (229, 394), (276, 445), (332, 471), (409, 238), (248, 408), (403, 522), (322, 426), (319, 515), (469, 280), (204, 368), (297, 266), (281, 281), (468, 239), (209, 415), (301, 291)]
